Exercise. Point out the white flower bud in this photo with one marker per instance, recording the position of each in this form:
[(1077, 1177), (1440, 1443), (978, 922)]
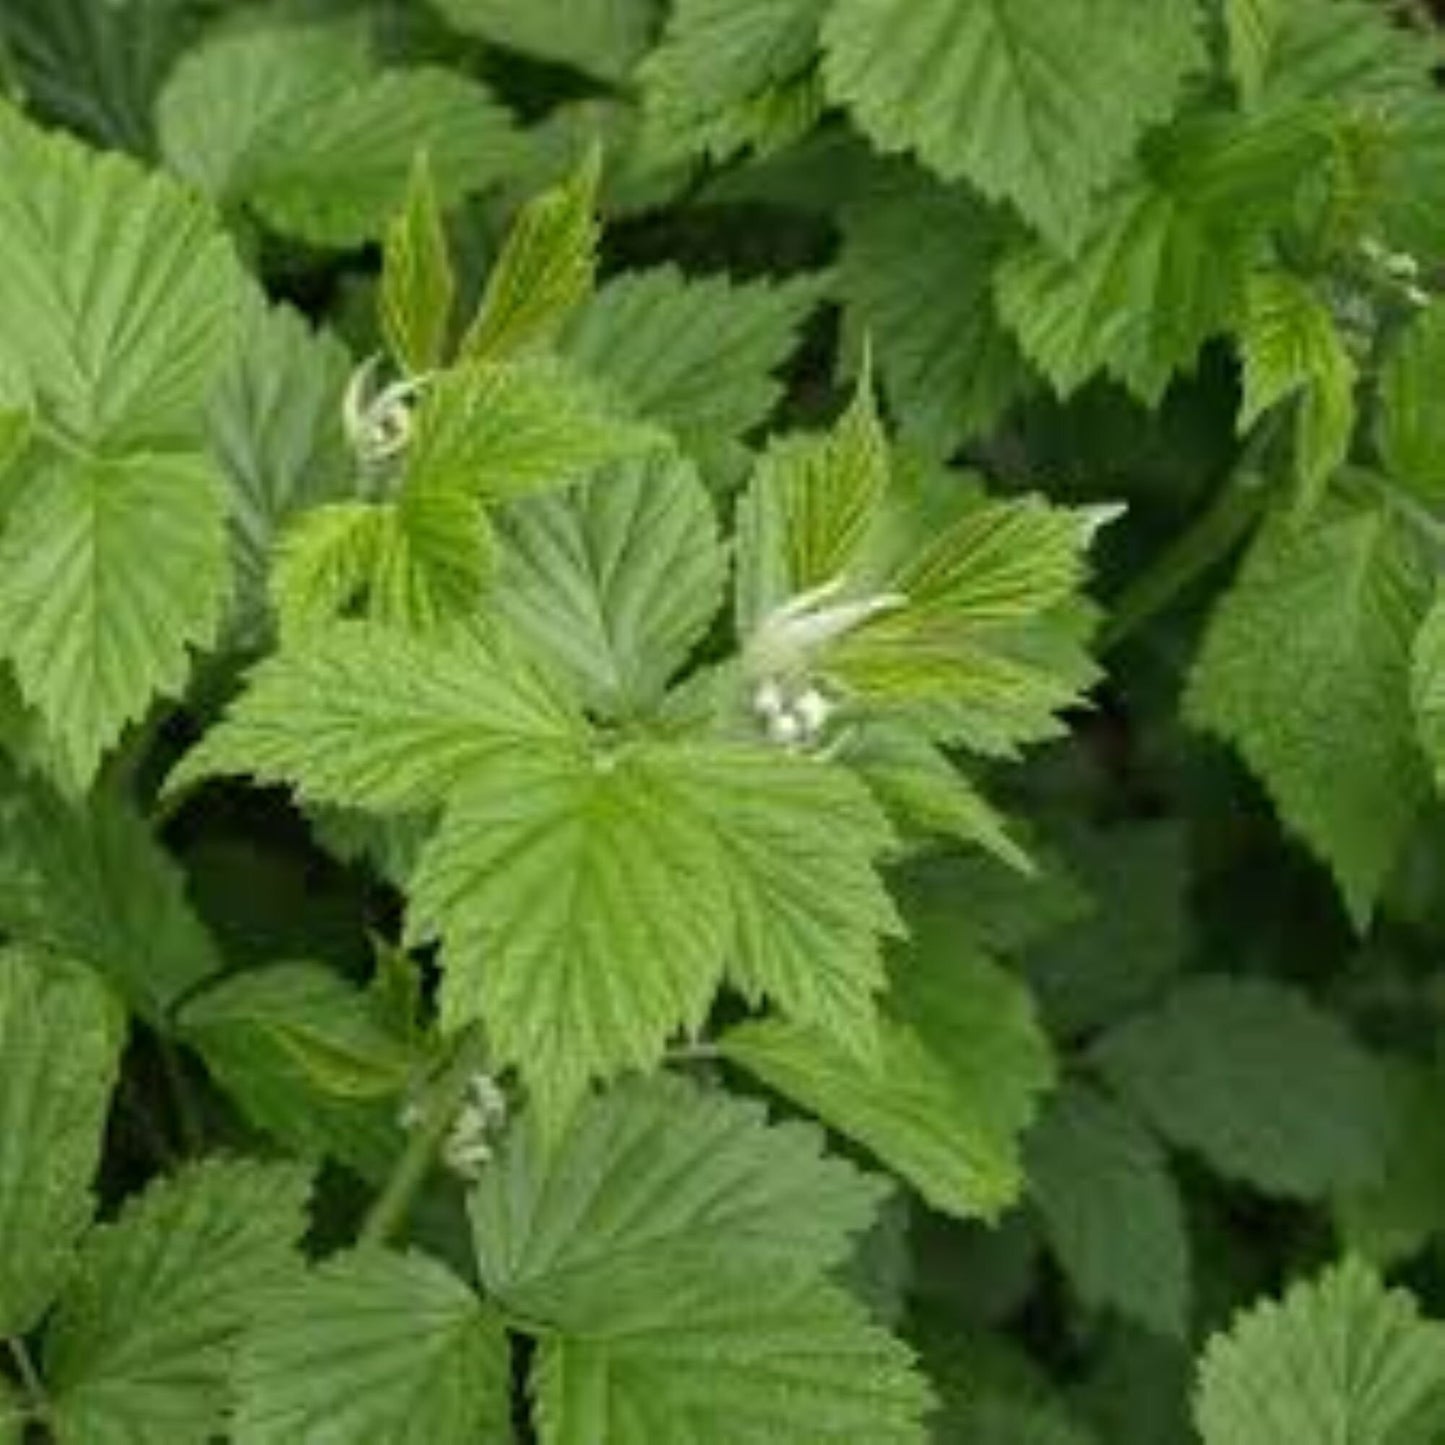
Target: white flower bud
[(812, 710), (768, 700), (785, 729)]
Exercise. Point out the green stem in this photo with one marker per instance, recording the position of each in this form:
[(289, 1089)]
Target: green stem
[(36, 1397), (388, 1213), (1204, 545)]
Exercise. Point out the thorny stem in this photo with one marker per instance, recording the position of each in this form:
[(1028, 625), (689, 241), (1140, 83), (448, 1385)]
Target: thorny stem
[(443, 1099), (36, 1398)]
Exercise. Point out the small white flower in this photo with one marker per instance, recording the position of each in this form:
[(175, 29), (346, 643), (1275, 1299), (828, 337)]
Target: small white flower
[(813, 709), (785, 729)]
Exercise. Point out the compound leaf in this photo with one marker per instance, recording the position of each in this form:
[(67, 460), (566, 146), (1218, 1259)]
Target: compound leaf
[(605, 38), (417, 282)]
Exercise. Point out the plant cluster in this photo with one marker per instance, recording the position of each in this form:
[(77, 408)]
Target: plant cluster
[(720, 722)]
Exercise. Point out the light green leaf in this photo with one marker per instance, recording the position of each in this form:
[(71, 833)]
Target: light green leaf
[(1164, 261), (657, 1181), (118, 291), (750, 1364), (591, 890), (374, 1348), (142, 1343), (1411, 421), (417, 284), (1250, 1075), (916, 275), (296, 123), (414, 564), (948, 1095), (798, 842), (1253, 28), (502, 431), (671, 1248), (60, 1041), (274, 426), (1039, 105), (921, 788), (1339, 1358), (613, 582), (605, 38), (90, 880), (365, 716), (696, 354), (730, 74), (1111, 1210), (1292, 347), (1305, 669), (111, 571), (546, 269)]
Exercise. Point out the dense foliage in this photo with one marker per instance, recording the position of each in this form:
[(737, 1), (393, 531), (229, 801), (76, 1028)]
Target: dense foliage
[(720, 722)]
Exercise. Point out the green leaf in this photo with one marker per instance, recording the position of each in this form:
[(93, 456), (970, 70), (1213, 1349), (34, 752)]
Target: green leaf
[(922, 789), (730, 74), (1163, 263), (301, 1054), (590, 888), (671, 1248), (111, 571), (798, 841), (1305, 670), (916, 275), (1253, 28), (142, 1343), (374, 1348), (659, 1180), (274, 427), (317, 1019), (1111, 1210), (365, 716), (1250, 1075), (1340, 1357), (119, 293), (698, 355), (503, 431), (1411, 422), (748, 1364), (1039, 105), (96, 70), (605, 38), (1392, 1220), (1292, 347), (960, 1062), (417, 284), (613, 582), (90, 880), (1428, 687), (546, 269), (1129, 938), (60, 1041), (296, 123)]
